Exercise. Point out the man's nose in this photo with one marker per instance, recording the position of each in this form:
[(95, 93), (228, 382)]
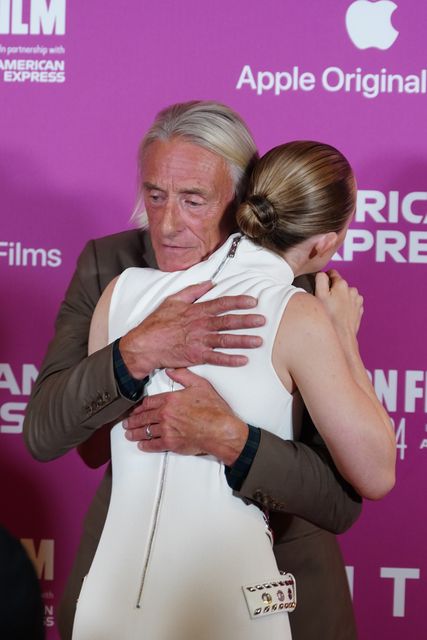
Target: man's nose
[(172, 222)]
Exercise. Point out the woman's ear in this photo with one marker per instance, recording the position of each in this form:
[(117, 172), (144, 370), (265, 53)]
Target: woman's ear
[(324, 244)]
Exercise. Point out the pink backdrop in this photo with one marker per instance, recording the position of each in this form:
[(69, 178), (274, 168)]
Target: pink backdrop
[(79, 84)]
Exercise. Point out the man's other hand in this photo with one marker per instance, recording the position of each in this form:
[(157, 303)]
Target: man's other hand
[(191, 421)]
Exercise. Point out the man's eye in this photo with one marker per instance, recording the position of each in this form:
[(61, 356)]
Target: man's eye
[(193, 203), (155, 197)]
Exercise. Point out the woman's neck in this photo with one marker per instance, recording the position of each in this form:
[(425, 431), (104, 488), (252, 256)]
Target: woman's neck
[(299, 260)]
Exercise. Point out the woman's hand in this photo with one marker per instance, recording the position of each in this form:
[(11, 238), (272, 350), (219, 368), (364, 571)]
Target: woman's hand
[(343, 304)]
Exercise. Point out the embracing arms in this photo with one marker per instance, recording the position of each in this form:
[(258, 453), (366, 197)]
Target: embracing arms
[(291, 477)]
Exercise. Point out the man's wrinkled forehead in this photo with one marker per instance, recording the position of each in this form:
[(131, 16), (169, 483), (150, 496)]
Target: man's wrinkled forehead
[(186, 168)]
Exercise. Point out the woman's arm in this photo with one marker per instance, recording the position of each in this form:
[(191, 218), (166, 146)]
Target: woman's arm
[(98, 332), (95, 451), (344, 307), (326, 367)]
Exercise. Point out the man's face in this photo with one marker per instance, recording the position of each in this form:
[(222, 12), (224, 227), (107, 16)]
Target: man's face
[(187, 190)]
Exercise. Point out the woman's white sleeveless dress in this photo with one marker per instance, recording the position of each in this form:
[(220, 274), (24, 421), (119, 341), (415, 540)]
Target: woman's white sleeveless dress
[(178, 548)]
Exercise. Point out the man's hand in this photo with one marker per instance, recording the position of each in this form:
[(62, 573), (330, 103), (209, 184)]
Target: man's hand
[(192, 421), (180, 333)]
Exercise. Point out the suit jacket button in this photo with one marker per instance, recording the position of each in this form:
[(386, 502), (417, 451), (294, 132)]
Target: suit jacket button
[(88, 410), (106, 397), (99, 401), (258, 496)]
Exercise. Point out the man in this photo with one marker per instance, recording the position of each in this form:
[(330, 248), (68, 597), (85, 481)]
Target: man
[(193, 164)]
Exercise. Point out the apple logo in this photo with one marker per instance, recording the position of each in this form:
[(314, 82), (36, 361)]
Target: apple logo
[(369, 24)]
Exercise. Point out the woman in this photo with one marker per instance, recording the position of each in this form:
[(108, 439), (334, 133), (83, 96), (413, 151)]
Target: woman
[(193, 561)]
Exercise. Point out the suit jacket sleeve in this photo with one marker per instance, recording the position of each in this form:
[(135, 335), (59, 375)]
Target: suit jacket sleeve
[(73, 394), (300, 478)]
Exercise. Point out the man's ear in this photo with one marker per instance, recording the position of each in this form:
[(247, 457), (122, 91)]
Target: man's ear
[(323, 244)]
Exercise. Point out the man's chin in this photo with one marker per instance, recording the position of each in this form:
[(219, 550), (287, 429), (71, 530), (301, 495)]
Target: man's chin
[(176, 259)]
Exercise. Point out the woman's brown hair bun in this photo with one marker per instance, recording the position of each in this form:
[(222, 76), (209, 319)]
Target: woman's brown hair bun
[(257, 217), (264, 211)]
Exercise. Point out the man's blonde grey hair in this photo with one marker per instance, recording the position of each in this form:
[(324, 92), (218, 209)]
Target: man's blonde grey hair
[(210, 125)]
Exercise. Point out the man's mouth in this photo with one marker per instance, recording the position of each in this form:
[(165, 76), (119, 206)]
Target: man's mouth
[(174, 247)]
